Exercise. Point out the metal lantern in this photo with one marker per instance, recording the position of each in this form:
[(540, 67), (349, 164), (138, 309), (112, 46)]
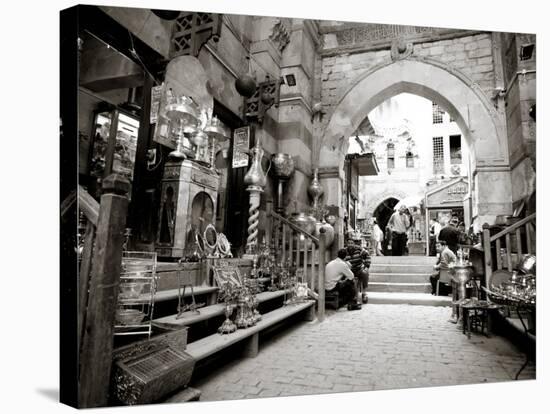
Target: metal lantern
[(185, 114), (200, 139), (215, 130)]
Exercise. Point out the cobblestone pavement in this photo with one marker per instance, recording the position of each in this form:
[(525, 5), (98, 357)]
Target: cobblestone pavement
[(378, 347)]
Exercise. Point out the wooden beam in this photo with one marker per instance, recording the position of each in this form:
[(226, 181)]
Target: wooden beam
[(487, 253), (88, 205), (97, 344)]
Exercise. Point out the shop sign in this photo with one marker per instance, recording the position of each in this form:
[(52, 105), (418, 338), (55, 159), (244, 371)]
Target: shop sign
[(454, 194), (241, 145), (156, 96)]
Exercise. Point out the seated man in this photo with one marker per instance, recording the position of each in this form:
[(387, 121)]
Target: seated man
[(359, 259), (339, 277)]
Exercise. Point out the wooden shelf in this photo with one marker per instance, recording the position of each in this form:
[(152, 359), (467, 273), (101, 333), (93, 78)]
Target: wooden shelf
[(170, 322), (211, 344)]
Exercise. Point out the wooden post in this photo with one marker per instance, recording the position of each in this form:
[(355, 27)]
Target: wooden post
[(509, 252), (487, 254), (518, 244), (498, 252), (84, 278), (97, 344), (321, 288)]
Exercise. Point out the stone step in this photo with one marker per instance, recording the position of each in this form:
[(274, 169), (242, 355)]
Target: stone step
[(401, 268), (427, 260), (400, 277), (399, 287), (424, 299)]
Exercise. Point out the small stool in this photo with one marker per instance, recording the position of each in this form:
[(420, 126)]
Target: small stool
[(475, 316), (332, 299)]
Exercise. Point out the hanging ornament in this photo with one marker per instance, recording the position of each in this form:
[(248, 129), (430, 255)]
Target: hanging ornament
[(246, 84)]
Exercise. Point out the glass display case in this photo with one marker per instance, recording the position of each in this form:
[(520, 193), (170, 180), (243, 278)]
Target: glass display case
[(114, 145)]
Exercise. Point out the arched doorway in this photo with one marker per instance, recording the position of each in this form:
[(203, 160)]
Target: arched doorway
[(384, 210), (483, 127), (382, 214)]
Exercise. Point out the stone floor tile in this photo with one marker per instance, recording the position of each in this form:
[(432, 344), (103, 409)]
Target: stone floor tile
[(379, 347)]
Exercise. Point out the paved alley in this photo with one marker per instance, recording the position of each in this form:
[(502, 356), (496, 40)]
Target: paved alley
[(379, 347)]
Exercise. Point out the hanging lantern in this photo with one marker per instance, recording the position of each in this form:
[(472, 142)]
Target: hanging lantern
[(246, 84)]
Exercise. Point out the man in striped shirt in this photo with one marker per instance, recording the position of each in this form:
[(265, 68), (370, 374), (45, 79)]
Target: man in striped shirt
[(359, 259)]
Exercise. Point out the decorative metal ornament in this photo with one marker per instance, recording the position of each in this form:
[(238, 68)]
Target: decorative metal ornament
[(255, 179), (228, 326), (283, 168), (245, 85), (315, 189)]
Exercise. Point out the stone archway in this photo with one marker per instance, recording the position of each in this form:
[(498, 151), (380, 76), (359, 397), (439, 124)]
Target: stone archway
[(483, 127)]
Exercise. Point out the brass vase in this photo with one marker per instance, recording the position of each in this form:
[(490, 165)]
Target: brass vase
[(283, 168), (315, 189)]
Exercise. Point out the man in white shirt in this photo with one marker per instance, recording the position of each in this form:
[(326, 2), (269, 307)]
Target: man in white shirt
[(339, 278), (399, 223)]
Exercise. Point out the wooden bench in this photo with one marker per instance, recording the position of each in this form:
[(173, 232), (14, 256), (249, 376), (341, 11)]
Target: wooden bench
[(212, 344)]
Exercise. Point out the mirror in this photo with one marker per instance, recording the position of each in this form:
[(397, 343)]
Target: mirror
[(210, 238)]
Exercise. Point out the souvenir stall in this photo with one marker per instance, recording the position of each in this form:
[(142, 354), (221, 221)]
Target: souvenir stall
[(445, 201), (183, 286)]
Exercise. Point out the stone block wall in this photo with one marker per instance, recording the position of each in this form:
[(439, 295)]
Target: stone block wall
[(472, 55), (520, 78)]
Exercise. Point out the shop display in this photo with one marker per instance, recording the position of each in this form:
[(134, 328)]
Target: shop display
[(238, 295), (188, 202)]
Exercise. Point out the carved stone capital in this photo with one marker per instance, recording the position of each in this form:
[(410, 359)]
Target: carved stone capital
[(400, 48), (280, 35)]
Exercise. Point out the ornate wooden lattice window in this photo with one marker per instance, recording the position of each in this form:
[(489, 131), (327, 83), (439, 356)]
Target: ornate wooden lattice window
[(437, 114), (438, 160), (192, 30), (266, 95)]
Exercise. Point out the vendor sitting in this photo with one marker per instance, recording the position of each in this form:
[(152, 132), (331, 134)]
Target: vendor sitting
[(339, 278)]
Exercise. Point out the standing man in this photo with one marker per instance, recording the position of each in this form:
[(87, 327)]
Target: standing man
[(450, 234), (399, 223), (377, 238), (435, 228), (339, 278), (359, 259)]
